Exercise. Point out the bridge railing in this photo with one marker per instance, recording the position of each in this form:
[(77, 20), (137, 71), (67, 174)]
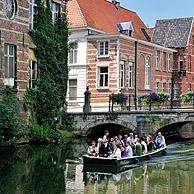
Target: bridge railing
[(142, 104), (105, 103)]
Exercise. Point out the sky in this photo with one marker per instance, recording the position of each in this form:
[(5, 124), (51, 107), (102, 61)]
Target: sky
[(152, 10)]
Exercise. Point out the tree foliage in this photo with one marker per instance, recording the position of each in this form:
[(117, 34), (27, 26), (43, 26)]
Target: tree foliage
[(51, 42)]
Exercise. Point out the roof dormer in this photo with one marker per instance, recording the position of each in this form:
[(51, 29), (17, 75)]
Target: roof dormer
[(126, 28)]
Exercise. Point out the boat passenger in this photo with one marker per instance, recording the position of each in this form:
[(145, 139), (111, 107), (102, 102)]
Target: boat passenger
[(144, 145), (111, 146), (160, 140), (92, 150), (129, 150), (116, 153), (100, 148), (125, 139), (150, 143), (138, 147), (106, 138), (130, 139), (120, 140), (135, 138)]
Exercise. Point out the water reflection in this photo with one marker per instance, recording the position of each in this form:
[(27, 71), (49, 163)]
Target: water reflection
[(57, 170)]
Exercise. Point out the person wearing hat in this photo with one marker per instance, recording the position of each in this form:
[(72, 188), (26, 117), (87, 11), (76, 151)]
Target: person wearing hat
[(100, 148)]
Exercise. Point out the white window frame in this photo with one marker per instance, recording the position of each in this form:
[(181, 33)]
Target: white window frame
[(33, 72), (32, 7), (169, 88), (122, 75), (9, 78), (176, 90), (158, 59), (165, 61), (147, 72), (105, 51), (164, 87), (180, 60), (170, 61), (72, 98), (157, 86), (189, 63), (74, 54), (130, 74), (104, 86), (55, 9)]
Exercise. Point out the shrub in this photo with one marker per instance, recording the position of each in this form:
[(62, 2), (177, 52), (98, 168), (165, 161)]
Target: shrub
[(119, 98), (187, 96)]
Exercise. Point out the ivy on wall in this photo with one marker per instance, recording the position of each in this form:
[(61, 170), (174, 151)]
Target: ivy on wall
[(51, 51)]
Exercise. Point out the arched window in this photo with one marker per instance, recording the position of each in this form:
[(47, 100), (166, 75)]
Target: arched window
[(147, 72)]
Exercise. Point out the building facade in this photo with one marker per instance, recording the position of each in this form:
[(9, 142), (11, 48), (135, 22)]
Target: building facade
[(18, 65), (117, 55), (178, 34)]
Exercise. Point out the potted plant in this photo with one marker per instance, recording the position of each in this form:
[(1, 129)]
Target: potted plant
[(187, 97)]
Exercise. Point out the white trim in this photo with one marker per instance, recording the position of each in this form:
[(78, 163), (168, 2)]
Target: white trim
[(85, 28), (108, 36), (98, 77), (104, 49), (190, 31)]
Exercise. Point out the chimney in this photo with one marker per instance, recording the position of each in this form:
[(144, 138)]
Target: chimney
[(115, 3)]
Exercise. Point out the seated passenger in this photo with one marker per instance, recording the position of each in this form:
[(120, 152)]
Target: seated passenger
[(130, 139), (116, 153), (129, 150), (100, 148), (111, 147), (92, 150), (138, 147), (144, 145), (150, 143), (160, 141)]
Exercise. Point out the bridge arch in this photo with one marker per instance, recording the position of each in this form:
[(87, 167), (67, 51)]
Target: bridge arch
[(114, 128)]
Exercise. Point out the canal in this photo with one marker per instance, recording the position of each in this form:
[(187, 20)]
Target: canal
[(57, 169)]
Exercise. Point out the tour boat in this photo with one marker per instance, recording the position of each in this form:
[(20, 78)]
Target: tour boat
[(107, 164)]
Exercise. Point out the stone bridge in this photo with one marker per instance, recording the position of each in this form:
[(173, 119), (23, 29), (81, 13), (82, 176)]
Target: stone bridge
[(170, 122)]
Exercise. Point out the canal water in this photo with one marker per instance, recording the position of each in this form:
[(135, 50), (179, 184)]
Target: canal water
[(58, 170)]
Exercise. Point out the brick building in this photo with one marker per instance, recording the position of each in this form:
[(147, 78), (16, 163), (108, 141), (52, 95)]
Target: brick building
[(113, 53), (17, 61), (178, 34)]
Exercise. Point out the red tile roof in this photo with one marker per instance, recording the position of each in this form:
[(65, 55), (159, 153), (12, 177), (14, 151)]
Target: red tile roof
[(103, 15)]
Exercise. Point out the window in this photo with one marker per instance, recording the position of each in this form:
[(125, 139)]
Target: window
[(158, 60), (73, 89), (55, 11), (176, 90), (181, 63), (164, 87), (10, 63), (11, 8), (73, 54), (193, 40), (130, 75), (170, 62), (164, 61), (33, 74), (169, 88), (103, 49), (147, 73), (122, 76), (189, 63), (157, 86), (32, 12), (103, 77)]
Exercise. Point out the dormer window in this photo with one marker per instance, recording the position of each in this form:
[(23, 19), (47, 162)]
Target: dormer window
[(126, 28)]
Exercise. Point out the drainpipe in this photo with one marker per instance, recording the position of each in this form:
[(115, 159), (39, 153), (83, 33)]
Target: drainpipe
[(135, 71)]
